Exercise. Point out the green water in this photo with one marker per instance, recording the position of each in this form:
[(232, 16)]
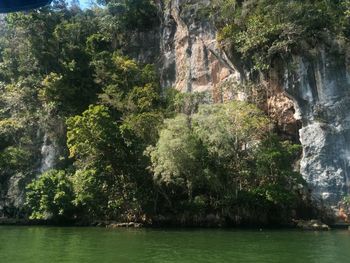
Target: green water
[(51, 244)]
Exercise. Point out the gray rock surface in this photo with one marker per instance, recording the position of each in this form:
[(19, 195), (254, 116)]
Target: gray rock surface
[(312, 225), (320, 87)]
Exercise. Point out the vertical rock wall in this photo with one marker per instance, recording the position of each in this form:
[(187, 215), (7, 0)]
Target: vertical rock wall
[(317, 84), (49, 153), (190, 57), (320, 86)]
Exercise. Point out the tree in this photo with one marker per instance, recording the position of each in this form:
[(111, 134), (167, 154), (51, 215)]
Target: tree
[(230, 132), (102, 159), (229, 128), (91, 197), (94, 139), (133, 14), (277, 181), (223, 158), (263, 31), (51, 196), (176, 156)]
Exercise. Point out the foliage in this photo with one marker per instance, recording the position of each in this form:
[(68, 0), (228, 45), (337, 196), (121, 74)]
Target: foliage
[(107, 141), (134, 14), (188, 103), (127, 149), (261, 31), (278, 182), (176, 157), (222, 157), (92, 136), (232, 127), (50, 196), (90, 196)]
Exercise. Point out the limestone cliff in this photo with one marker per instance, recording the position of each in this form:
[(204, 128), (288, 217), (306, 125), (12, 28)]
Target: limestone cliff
[(309, 99), (320, 86), (315, 92), (191, 59)]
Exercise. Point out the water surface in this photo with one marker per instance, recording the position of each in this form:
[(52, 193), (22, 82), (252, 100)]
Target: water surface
[(98, 245)]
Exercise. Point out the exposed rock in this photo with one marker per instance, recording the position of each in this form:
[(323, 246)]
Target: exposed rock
[(313, 225), (321, 89), (191, 59), (143, 45), (49, 153), (315, 95), (281, 108), (121, 225), (13, 195)]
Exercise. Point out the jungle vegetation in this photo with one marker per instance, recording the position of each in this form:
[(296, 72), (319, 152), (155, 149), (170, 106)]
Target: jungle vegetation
[(129, 149)]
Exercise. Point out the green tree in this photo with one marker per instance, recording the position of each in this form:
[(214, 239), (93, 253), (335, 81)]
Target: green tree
[(277, 181), (176, 156), (263, 31), (230, 132), (51, 196), (94, 138), (91, 196), (223, 159), (95, 142)]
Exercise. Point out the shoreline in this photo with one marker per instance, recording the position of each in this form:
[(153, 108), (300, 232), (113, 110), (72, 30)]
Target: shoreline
[(134, 225)]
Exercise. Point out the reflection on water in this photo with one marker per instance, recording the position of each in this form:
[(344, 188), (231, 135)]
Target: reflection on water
[(75, 245)]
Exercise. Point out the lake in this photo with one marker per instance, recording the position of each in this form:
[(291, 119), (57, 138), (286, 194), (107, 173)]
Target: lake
[(99, 245)]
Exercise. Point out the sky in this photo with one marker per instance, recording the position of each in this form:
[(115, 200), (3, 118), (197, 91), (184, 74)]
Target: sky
[(85, 3)]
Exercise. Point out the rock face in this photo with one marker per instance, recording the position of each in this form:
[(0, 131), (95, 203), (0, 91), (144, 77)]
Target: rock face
[(320, 87), (312, 225), (191, 59), (49, 153), (317, 88)]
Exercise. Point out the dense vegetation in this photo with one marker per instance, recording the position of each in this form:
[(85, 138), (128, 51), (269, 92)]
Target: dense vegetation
[(127, 149), (263, 31)]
